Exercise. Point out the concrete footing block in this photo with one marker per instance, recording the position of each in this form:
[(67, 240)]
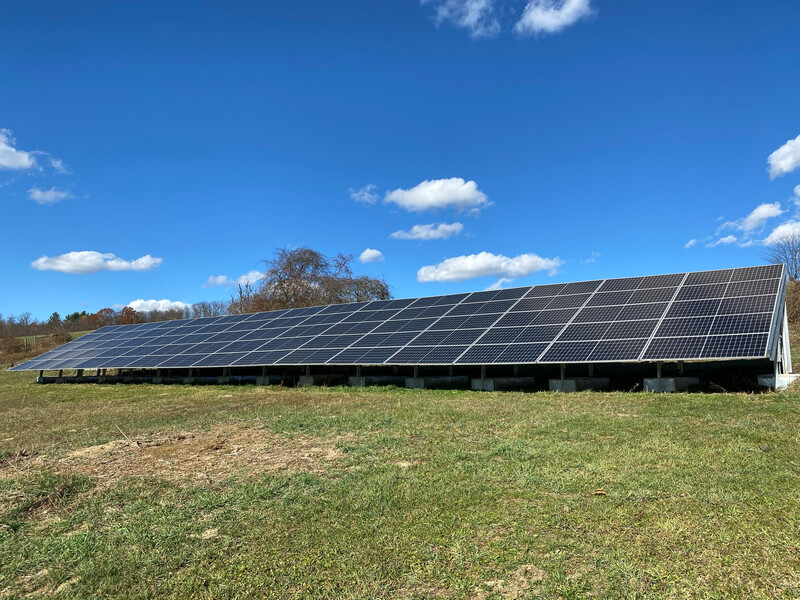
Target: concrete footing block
[(780, 383), (501, 384), (446, 382), (669, 384), (579, 384), (269, 380), (322, 379), (368, 380)]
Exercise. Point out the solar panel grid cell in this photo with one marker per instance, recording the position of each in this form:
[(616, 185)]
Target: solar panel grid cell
[(743, 345), (751, 304), (568, 352), (674, 348), (622, 330), (610, 298), (752, 323), (517, 319), (520, 353), (615, 350), (628, 283), (694, 308), (501, 335), (571, 301), (480, 354), (686, 326), (538, 333)]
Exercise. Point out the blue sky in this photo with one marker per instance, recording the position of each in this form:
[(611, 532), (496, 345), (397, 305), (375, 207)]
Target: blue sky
[(159, 150)]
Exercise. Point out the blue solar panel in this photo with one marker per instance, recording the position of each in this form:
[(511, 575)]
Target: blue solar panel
[(729, 313)]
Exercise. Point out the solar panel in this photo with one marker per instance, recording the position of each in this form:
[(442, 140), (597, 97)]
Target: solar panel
[(723, 314)]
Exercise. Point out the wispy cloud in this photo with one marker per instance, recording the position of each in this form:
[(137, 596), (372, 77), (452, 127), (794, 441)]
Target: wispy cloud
[(785, 159), (690, 244), (437, 194), (476, 16), (724, 241), (430, 231), (499, 284), (50, 196), (592, 259), (366, 195), (756, 219), (371, 255), (460, 268), (552, 16), (59, 166), (141, 305), (248, 278), (481, 18), (89, 261)]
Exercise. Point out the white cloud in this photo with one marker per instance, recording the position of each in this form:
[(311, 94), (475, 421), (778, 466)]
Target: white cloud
[(431, 231), (796, 196), (218, 280), (690, 244), (141, 305), (760, 215), (371, 255), (749, 226), (248, 278), (592, 259), (552, 16), (89, 261), (725, 241), (366, 194), (476, 16), (438, 194), (470, 266), (50, 196), (11, 158), (785, 159), (788, 229)]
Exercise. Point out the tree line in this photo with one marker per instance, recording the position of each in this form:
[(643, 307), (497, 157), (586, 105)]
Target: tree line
[(292, 279)]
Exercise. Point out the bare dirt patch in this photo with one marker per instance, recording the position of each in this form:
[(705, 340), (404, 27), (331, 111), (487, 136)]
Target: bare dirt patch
[(205, 456), (520, 584)]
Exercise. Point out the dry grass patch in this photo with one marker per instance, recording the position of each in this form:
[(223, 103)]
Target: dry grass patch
[(206, 456), (520, 584)]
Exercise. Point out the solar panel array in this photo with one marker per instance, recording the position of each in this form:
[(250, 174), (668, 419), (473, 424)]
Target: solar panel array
[(706, 315)]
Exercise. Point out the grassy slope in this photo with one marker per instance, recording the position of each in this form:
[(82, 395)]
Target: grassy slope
[(455, 494)]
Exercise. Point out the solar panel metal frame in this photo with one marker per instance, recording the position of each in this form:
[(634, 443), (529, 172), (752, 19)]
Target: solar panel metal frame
[(298, 337)]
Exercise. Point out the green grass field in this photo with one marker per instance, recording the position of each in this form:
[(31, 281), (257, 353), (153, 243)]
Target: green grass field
[(225, 492)]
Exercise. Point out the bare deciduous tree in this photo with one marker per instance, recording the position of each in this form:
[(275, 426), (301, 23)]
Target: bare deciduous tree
[(305, 277), (215, 308), (786, 250)]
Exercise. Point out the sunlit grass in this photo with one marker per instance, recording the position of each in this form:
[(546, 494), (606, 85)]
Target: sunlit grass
[(428, 494)]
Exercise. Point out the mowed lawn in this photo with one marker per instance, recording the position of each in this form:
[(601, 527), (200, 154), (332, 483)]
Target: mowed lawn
[(243, 492)]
